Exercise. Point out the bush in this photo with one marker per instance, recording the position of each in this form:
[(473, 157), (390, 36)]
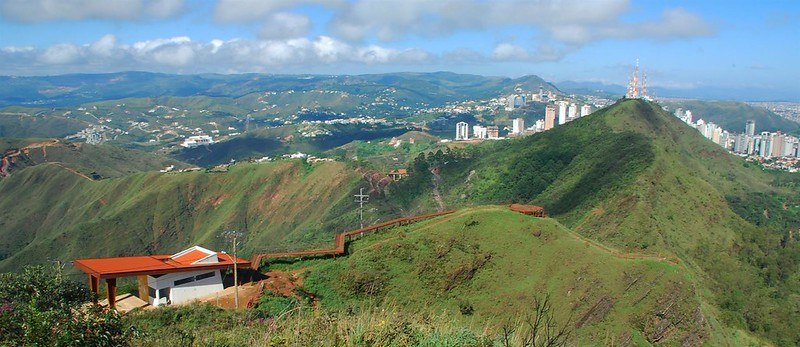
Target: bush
[(38, 308)]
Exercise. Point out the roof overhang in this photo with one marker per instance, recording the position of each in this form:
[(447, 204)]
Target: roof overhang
[(114, 267)]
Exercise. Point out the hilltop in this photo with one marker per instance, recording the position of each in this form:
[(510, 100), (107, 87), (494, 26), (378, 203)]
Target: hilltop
[(634, 177)]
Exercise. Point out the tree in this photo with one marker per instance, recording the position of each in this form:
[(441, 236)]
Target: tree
[(37, 307), (540, 328)]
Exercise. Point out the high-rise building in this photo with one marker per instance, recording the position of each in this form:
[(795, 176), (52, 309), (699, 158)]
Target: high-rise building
[(479, 132), (750, 128), (572, 111), (462, 131), (493, 132), (586, 110), (539, 126), (777, 145), (562, 112), (740, 143), (518, 126), (765, 150), (549, 117)]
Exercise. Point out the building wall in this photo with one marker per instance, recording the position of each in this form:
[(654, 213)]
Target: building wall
[(183, 292), (549, 117)]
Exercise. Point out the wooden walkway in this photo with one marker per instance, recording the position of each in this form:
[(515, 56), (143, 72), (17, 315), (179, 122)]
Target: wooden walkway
[(340, 239)]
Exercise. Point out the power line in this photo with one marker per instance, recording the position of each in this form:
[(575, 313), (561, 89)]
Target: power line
[(232, 235), (361, 199)]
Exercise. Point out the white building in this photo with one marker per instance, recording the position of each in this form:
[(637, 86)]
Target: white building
[(479, 132), (586, 110), (197, 141), (572, 111), (179, 287), (562, 112), (163, 279), (518, 126), (462, 131)]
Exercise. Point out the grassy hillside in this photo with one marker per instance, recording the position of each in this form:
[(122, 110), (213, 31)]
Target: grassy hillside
[(55, 213), (282, 140), (489, 264), (634, 177), (732, 116), (94, 161), (14, 124)]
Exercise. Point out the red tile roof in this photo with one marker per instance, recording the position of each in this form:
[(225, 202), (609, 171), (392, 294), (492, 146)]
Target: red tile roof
[(150, 265), (191, 257)]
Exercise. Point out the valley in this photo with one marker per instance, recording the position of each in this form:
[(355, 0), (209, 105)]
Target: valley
[(652, 227)]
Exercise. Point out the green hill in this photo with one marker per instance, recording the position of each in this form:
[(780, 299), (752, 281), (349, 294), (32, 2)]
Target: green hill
[(489, 264), (631, 177), (55, 213), (634, 177), (93, 161)]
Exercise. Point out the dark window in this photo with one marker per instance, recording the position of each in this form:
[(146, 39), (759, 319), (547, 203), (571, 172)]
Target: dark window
[(204, 276), (184, 281), (151, 292), (163, 293)]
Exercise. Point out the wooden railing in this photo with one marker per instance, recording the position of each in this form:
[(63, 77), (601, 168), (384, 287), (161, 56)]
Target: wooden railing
[(340, 239)]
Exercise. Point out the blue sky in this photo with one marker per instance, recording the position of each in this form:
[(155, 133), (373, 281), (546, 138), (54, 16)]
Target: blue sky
[(682, 44)]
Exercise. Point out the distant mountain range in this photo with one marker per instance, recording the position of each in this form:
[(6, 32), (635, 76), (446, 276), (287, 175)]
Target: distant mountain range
[(69, 90), (705, 93)]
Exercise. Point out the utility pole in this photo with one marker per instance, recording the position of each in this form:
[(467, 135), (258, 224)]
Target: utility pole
[(232, 235), (361, 199)]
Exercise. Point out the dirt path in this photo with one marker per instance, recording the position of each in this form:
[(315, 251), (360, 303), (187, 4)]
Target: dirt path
[(620, 254), (437, 196), (72, 170), (5, 162)]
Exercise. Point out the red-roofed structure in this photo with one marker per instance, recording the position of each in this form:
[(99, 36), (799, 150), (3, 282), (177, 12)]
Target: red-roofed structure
[(150, 267)]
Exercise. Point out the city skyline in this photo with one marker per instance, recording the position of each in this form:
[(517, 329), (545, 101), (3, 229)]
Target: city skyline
[(684, 44)]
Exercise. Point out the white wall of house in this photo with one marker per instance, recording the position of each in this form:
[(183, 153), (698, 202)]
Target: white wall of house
[(190, 285)]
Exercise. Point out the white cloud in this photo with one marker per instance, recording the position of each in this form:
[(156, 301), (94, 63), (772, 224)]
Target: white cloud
[(285, 25), (61, 54), (104, 47), (566, 22), (237, 11), (47, 10), (508, 51), (182, 54)]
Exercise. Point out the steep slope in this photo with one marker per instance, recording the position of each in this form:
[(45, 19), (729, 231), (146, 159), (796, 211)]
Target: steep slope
[(93, 161), (635, 177), (490, 264), (57, 214)]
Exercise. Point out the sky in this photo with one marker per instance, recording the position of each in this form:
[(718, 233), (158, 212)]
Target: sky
[(681, 44)]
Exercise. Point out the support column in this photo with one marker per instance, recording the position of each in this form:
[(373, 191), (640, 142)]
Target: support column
[(94, 286), (143, 292), (111, 286)]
